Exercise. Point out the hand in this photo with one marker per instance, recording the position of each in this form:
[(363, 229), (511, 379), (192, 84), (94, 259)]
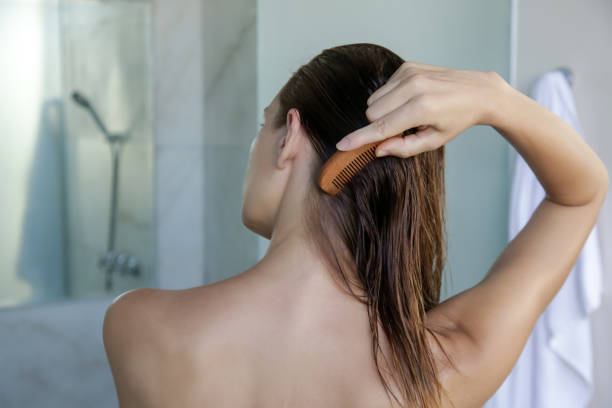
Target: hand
[(440, 102)]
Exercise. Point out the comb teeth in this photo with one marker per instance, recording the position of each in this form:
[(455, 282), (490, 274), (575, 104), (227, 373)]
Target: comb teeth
[(353, 167), (340, 168)]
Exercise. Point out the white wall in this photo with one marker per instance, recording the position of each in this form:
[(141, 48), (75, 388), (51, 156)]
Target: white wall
[(578, 34)]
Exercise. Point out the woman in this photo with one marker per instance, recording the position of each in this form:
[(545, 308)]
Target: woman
[(343, 310)]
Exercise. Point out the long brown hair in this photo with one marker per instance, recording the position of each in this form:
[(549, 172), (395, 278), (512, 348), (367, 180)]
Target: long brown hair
[(387, 224)]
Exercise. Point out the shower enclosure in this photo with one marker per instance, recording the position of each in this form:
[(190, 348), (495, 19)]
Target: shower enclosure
[(76, 205)]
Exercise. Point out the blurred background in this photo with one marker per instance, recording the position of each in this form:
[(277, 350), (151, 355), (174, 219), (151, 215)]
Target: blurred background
[(126, 128)]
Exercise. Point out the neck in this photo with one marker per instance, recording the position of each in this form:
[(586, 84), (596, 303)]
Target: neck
[(290, 257), (292, 261)]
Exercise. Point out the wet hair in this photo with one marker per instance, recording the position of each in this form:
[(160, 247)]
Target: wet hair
[(387, 226)]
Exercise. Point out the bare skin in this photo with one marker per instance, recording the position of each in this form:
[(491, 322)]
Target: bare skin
[(283, 334)]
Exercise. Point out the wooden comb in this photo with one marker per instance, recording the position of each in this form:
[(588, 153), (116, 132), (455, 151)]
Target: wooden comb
[(342, 166)]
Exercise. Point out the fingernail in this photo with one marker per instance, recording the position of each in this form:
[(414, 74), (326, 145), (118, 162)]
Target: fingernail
[(343, 144), (381, 153)]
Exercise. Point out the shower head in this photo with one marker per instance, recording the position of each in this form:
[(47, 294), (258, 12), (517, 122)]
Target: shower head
[(80, 99), (84, 102)]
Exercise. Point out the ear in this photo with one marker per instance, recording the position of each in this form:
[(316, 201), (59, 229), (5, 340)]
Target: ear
[(290, 143)]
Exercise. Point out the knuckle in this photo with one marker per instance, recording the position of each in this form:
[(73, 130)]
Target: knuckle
[(495, 77), (404, 88), (404, 150), (493, 74), (370, 114), (425, 103), (417, 82), (437, 140), (380, 126), (431, 143), (423, 145)]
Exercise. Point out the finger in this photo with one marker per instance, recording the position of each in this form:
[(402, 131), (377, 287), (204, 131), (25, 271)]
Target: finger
[(383, 90), (388, 102), (390, 83), (402, 118), (404, 69), (406, 146)]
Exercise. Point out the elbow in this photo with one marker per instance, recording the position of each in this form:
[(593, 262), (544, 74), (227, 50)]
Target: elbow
[(605, 179), (603, 186)]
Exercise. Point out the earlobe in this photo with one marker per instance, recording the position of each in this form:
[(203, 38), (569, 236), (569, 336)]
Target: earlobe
[(283, 151)]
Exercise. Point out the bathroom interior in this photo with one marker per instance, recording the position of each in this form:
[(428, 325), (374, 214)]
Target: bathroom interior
[(126, 128)]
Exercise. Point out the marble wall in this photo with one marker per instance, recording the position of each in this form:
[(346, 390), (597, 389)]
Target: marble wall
[(179, 120)]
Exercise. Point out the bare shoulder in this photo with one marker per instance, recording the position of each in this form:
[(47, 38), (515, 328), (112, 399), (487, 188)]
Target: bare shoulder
[(156, 318), (156, 338), (133, 343), (131, 314), (134, 312)]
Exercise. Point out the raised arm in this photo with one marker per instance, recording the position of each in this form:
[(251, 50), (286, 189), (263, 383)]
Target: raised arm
[(484, 328), (492, 321)]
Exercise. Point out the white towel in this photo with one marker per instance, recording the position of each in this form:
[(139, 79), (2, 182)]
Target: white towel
[(555, 369)]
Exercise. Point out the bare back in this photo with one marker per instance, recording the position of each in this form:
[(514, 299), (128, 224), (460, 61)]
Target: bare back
[(235, 343)]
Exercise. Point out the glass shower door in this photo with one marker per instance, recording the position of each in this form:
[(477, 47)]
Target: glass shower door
[(76, 164), (107, 87)]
